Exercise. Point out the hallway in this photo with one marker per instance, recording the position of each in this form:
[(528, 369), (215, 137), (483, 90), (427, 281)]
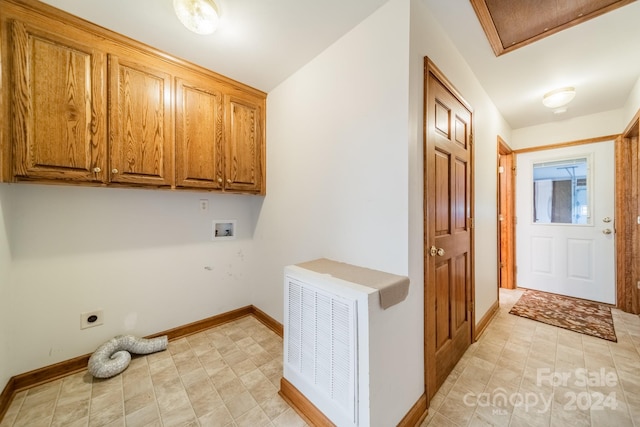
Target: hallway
[(525, 373)]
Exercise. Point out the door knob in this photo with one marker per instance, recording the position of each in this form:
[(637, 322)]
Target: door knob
[(606, 219), (433, 251), (114, 171), (97, 170), (606, 231)]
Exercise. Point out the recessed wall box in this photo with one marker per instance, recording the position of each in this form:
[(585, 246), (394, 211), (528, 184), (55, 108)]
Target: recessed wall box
[(224, 229)]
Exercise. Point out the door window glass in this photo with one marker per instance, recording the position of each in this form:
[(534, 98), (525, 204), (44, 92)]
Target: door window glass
[(561, 192)]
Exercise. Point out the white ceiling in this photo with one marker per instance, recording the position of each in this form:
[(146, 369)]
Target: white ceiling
[(600, 58), (261, 43)]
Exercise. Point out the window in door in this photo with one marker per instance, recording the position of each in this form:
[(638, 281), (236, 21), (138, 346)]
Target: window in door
[(561, 192)]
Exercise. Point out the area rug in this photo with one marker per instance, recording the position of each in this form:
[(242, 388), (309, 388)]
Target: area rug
[(585, 317)]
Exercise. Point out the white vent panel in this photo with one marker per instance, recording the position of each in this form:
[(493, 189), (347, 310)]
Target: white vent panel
[(320, 349)]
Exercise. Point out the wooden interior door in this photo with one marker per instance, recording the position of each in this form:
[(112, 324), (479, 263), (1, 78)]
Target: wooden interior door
[(448, 233)]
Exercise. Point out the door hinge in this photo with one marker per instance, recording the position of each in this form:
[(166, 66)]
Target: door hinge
[(515, 219), (515, 170), (470, 222), (473, 306), (500, 169)]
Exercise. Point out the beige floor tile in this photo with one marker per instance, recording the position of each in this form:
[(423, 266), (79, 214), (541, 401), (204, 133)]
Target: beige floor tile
[(255, 417), (230, 376), (274, 407), (178, 413), (219, 417), (240, 404), (143, 416), (459, 406), (139, 401), (289, 418), (110, 415), (70, 412), (439, 420)]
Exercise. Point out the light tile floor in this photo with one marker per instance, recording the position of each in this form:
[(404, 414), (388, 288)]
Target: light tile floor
[(525, 373), (225, 376), (520, 373)]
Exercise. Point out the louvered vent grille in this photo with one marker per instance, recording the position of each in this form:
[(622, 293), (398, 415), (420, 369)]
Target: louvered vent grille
[(321, 343)]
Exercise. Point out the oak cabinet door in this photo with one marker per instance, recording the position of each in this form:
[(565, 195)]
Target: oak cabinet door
[(140, 126), (58, 105), (199, 134), (244, 144)]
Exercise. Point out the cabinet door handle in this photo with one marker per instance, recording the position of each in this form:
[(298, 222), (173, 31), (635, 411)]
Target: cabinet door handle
[(97, 170), (220, 180), (114, 170), (228, 181)]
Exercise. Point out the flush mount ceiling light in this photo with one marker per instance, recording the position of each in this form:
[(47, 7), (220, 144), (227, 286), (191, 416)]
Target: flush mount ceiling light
[(199, 16), (558, 97)]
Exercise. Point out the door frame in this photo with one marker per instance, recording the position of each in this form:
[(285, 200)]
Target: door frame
[(430, 68), (627, 152), (506, 213)]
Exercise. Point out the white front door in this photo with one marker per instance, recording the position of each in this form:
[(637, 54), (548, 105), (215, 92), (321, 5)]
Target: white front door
[(565, 200)]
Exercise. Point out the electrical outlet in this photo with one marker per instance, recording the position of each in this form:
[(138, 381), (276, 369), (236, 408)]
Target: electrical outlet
[(91, 319), (204, 205)]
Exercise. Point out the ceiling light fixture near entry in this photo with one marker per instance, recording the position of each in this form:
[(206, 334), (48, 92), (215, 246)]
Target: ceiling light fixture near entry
[(199, 16), (558, 97)]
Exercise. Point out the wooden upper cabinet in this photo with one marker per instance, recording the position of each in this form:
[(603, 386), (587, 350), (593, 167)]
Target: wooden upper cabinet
[(140, 125), (199, 134), (244, 145), (58, 104), (82, 104)]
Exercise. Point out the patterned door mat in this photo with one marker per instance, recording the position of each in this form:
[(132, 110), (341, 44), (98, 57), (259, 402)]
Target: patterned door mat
[(585, 317)]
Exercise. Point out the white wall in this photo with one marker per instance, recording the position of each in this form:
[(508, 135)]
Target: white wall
[(429, 39), (139, 255), (5, 302), (583, 127), (338, 176), (632, 105)]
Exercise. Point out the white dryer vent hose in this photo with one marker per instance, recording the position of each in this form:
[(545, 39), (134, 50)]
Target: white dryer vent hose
[(114, 356)]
